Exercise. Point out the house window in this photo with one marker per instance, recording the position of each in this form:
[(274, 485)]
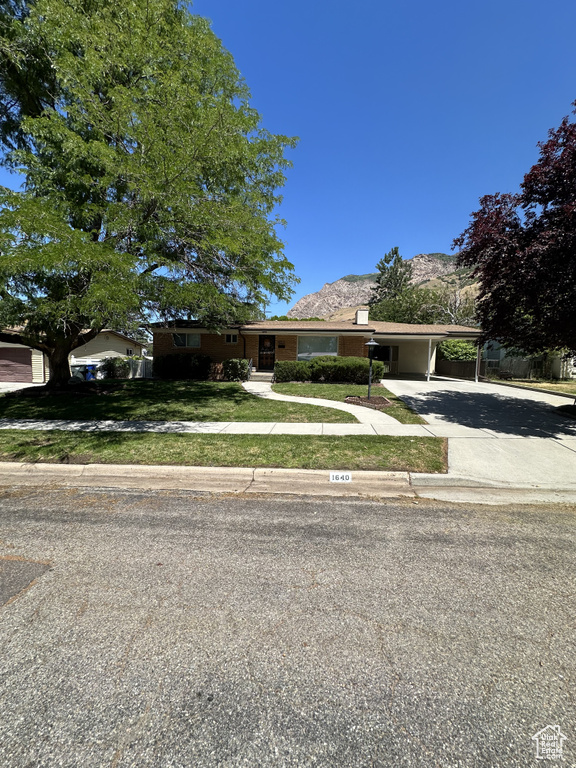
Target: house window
[(231, 338), (129, 351), (383, 353), (186, 339), (310, 347)]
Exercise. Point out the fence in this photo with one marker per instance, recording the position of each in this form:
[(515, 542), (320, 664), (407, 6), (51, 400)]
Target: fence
[(140, 368), (459, 369)]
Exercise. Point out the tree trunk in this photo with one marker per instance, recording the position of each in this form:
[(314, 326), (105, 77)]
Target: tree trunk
[(59, 367)]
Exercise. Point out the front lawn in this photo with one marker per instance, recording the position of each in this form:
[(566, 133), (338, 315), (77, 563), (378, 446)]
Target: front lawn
[(147, 400), (398, 410), (409, 454)]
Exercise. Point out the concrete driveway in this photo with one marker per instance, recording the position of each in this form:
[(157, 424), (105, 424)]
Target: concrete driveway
[(12, 386), (498, 435)]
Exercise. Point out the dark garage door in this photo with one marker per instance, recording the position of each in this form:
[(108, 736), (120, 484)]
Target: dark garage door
[(15, 365)]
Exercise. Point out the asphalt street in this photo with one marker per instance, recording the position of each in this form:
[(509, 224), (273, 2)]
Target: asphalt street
[(166, 629)]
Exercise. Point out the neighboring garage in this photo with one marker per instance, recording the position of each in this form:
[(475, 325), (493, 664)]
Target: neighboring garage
[(21, 364), (15, 364)]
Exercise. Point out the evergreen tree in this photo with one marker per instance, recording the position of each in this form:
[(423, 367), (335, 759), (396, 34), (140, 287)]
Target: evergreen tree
[(393, 278)]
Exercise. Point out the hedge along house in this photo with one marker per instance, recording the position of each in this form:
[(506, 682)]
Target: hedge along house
[(403, 348)]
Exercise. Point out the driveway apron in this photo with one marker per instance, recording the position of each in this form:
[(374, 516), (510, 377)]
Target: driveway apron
[(498, 435)]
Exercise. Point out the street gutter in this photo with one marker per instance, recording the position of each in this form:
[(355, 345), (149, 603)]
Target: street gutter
[(287, 482)]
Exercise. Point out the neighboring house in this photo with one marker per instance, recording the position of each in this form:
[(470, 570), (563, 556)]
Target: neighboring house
[(404, 349), (499, 359), (23, 364)]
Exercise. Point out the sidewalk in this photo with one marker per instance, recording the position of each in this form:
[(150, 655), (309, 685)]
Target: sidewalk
[(224, 427), (369, 427)]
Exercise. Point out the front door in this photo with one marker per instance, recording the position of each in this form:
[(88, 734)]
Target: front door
[(266, 353)]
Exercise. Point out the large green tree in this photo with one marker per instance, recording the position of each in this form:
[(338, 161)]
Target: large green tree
[(150, 185)]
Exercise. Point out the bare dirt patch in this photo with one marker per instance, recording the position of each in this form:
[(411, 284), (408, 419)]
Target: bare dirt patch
[(376, 403)]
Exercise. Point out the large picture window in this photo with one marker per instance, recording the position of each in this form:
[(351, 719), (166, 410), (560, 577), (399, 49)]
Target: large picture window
[(186, 339), (310, 347)]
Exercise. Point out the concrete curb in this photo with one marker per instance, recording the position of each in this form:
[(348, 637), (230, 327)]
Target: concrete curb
[(305, 482), (464, 481), (291, 482)]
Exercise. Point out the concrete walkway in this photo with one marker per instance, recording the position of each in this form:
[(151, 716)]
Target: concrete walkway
[(364, 415)]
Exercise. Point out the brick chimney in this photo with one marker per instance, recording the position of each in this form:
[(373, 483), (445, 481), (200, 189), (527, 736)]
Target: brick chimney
[(362, 316)]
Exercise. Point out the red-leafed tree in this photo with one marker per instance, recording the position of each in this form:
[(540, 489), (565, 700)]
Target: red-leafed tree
[(522, 248)]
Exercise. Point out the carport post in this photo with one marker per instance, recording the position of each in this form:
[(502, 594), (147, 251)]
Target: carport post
[(429, 359), (478, 359)]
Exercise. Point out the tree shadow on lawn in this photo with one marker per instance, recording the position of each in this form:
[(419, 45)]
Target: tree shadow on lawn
[(92, 447), (136, 399), (507, 415)]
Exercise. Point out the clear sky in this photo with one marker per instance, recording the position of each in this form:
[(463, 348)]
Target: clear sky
[(407, 113)]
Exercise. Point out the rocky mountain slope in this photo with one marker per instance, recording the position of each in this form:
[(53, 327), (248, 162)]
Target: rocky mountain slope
[(355, 290)]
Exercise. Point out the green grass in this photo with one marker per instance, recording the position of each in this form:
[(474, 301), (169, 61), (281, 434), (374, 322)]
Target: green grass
[(398, 410), (414, 454), (563, 387), (143, 399)]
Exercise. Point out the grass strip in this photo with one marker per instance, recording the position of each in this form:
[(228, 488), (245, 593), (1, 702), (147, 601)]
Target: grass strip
[(149, 400), (562, 387), (398, 410), (413, 454)]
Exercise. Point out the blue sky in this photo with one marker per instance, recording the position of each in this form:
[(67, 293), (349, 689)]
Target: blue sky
[(407, 113)]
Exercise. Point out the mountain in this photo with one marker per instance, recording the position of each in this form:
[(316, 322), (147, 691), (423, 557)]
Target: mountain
[(354, 290)]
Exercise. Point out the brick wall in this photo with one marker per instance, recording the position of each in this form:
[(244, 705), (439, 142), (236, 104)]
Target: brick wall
[(290, 351), (252, 349), (352, 346), (215, 346), (211, 344)]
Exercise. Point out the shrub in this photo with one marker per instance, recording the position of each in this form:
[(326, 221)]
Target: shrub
[(236, 369), (292, 370), (115, 367), (182, 366), (329, 369), (455, 349), (348, 370), (216, 372)]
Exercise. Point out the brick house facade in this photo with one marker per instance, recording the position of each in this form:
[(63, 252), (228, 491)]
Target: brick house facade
[(403, 348)]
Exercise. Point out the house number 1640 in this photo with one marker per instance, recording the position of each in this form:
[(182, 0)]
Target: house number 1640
[(340, 477)]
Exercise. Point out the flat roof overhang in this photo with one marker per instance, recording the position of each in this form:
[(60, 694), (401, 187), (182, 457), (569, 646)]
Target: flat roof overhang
[(364, 332)]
